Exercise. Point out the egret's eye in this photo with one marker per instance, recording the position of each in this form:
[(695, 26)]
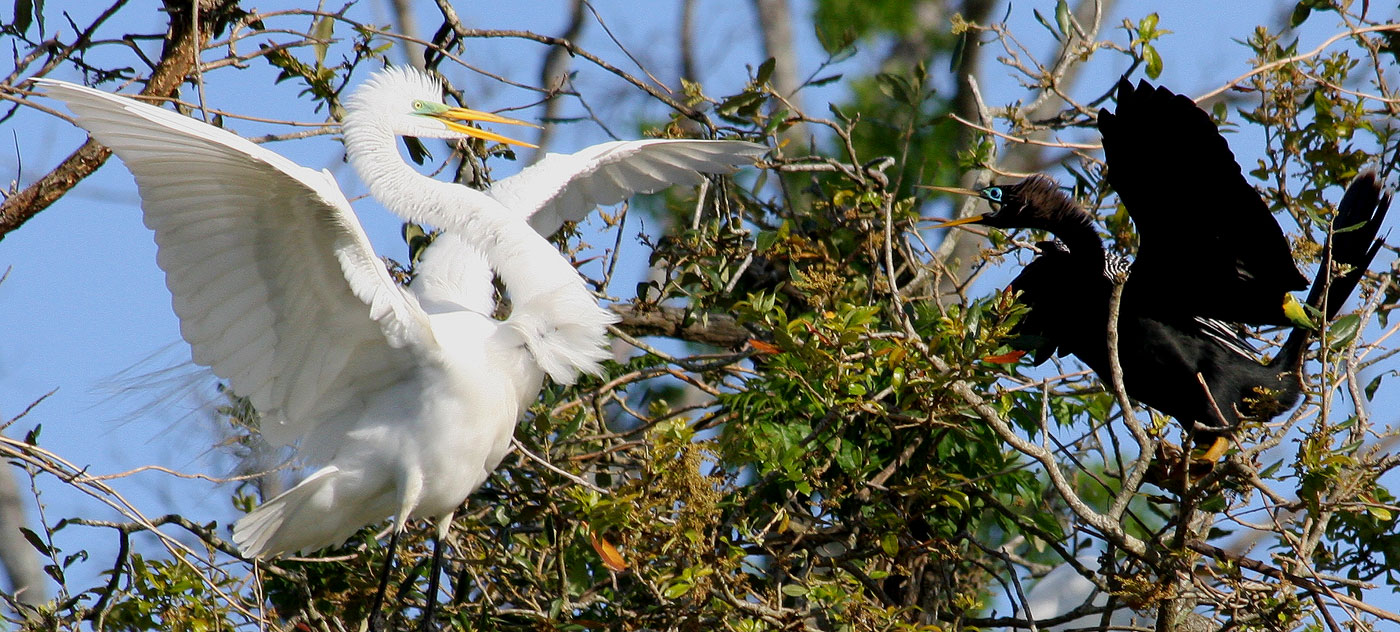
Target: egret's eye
[(993, 194), (417, 106)]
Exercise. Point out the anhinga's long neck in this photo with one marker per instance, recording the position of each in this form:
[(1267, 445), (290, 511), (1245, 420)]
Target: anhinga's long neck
[(1038, 202), (1075, 228)]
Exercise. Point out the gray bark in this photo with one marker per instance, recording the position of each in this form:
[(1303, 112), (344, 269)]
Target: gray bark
[(19, 559), (775, 25)]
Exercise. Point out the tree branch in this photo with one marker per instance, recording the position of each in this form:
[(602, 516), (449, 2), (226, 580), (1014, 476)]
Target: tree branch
[(720, 330)]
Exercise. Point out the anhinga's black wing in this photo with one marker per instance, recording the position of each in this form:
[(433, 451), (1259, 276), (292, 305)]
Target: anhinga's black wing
[(1208, 245)]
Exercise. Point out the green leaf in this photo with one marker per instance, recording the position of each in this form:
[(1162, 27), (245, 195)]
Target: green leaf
[(1301, 11), (1374, 384), (80, 556), (749, 100), (1296, 314), (36, 541), (1220, 111), (777, 121), (24, 15), (1147, 28), (676, 590), (794, 590), (765, 71), (323, 32), (572, 425), (1154, 61), (1344, 330), (1062, 18), (1045, 23), (417, 151), (889, 543), (959, 51), (1337, 230), (896, 87), (838, 45), (765, 240)]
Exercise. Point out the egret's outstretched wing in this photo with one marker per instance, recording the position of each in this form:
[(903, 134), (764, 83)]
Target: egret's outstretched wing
[(566, 187), (276, 286), (1185, 192)]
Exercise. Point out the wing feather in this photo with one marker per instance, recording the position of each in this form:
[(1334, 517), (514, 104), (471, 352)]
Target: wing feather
[(1207, 240), (1043, 287), (276, 285), (566, 187)]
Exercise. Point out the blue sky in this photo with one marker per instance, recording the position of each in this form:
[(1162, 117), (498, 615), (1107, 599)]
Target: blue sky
[(84, 300)]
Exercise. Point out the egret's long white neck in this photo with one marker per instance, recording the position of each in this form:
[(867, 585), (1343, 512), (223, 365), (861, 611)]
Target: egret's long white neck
[(548, 295), (373, 153), (526, 261)]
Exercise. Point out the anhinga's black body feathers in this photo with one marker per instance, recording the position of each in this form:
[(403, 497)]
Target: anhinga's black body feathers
[(1202, 265)]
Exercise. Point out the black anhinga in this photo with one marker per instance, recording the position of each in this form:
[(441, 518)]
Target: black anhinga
[(1209, 254)]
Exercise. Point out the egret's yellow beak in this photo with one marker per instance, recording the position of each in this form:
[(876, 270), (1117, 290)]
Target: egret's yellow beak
[(959, 191), (453, 118)]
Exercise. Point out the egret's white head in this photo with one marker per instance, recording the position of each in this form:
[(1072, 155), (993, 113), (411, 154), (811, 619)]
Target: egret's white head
[(409, 103)]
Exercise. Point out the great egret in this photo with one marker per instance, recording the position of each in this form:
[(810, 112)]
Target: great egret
[(406, 400)]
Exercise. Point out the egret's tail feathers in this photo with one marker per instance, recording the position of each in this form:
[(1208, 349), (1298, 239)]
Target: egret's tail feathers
[(566, 332), (301, 519)]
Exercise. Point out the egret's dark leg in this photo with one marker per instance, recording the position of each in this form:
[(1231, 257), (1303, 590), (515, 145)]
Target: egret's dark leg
[(434, 571), (378, 604)]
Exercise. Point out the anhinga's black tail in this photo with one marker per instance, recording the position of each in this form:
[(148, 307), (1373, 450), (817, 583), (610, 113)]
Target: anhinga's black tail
[(1349, 250)]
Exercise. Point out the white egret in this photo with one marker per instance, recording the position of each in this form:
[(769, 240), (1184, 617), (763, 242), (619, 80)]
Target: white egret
[(406, 400)]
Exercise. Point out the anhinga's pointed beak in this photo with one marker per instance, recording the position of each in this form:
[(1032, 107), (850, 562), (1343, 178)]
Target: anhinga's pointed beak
[(452, 116), (959, 191), (958, 222)]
